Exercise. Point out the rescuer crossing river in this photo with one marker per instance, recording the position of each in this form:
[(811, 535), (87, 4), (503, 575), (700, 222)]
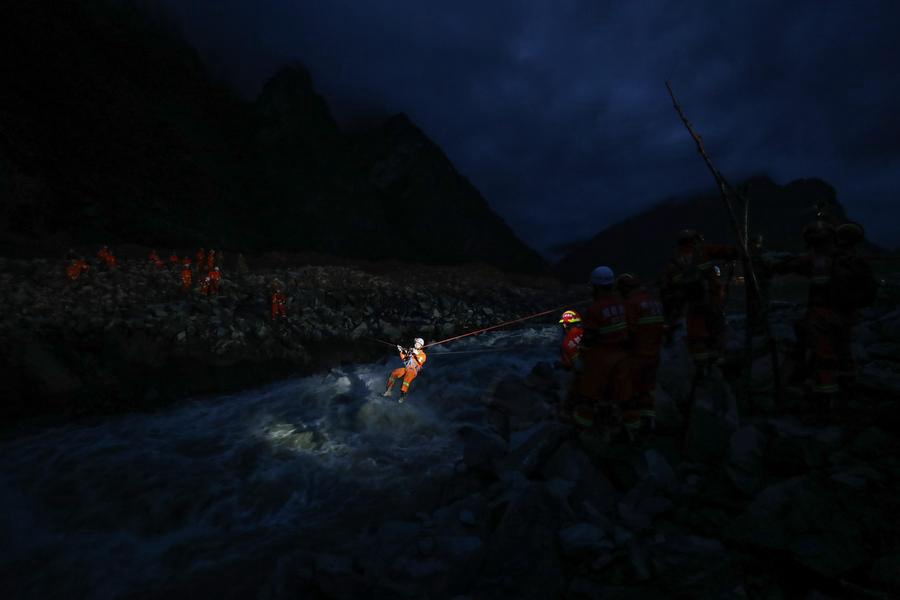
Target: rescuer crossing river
[(413, 359)]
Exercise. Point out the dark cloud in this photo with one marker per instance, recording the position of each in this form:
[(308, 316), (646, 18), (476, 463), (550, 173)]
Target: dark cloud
[(556, 110)]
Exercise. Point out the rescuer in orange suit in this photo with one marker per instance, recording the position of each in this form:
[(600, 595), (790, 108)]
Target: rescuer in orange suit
[(833, 299), (76, 268), (200, 259), (413, 359), (107, 257), (690, 283), (211, 260), (646, 330), (279, 301), (568, 351), (604, 384), (214, 278), (153, 257), (186, 275), (173, 259)]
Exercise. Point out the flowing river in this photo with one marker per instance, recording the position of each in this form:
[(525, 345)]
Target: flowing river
[(100, 509)]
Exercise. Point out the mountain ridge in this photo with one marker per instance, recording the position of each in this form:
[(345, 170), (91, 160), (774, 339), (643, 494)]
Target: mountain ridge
[(644, 242), (112, 131)]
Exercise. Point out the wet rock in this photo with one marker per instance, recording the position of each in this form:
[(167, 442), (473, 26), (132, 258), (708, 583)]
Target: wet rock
[(514, 398), (880, 376), (884, 350), (692, 566), (713, 420), (584, 538), (459, 548), (523, 546), (481, 448), (334, 575), (641, 505), (655, 466), (467, 517), (746, 464), (806, 520), (530, 449), (871, 443), (570, 463)]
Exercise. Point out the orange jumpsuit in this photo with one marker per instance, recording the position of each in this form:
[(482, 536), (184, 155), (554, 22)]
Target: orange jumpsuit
[(646, 328), (74, 270), (173, 259), (412, 363), (153, 257), (214, 278), (211, 260), (107, 258), (278, 305), (568, 351), (200, 259), (186, 277), (692, 272), (604, 352)]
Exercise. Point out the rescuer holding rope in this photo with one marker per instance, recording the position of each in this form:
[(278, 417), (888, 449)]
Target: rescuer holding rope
[(604, 385), (413, 359), (568, 351)]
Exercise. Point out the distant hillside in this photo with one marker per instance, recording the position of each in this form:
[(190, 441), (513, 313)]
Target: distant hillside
[(645, 242), (111, 131)]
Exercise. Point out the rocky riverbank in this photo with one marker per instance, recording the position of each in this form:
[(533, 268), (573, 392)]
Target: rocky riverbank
[(130, 339), (724, 505)]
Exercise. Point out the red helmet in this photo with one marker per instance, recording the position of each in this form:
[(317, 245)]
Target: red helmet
[(570, 317)]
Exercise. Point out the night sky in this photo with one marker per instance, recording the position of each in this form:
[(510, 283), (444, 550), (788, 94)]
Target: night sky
[(557, 111)]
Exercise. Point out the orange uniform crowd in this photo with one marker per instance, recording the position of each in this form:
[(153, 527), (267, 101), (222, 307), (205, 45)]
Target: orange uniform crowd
[(204, 272)]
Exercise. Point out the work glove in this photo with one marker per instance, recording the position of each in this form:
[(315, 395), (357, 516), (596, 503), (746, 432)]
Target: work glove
[(399, 348)]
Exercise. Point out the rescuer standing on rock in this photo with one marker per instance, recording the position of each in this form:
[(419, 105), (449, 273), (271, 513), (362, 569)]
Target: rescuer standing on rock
[(200, 260), (646, 329), (107, 258), (76, 268), (691, 284), (840, 285), (186, 275), (604, 385), (279, 301), (154, 259), (413, 359), (214, 278)]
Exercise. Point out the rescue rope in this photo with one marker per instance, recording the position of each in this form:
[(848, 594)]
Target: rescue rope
[(475, 351), (483, 329), (504, 324)]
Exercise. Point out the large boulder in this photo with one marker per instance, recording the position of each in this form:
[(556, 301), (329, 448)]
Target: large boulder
[(591, 487), (523, 405), (746, 467), (523, 553)]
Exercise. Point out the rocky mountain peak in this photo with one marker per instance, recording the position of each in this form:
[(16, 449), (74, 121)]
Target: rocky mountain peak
[(289, 108)]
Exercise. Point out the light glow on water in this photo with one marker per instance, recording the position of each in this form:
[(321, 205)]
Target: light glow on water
[(114, 505)]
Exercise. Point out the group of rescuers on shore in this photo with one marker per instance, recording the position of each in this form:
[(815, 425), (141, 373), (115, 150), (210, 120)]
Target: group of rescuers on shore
[(208, 273), (614, 348)]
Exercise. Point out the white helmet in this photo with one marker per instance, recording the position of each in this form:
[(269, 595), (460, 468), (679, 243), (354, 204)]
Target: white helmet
[(418, 342)]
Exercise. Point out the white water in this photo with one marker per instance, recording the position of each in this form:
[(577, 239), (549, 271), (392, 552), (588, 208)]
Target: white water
[(102, 509)]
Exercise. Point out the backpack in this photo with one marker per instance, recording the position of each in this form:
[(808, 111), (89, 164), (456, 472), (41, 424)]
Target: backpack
[(853, 284)]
